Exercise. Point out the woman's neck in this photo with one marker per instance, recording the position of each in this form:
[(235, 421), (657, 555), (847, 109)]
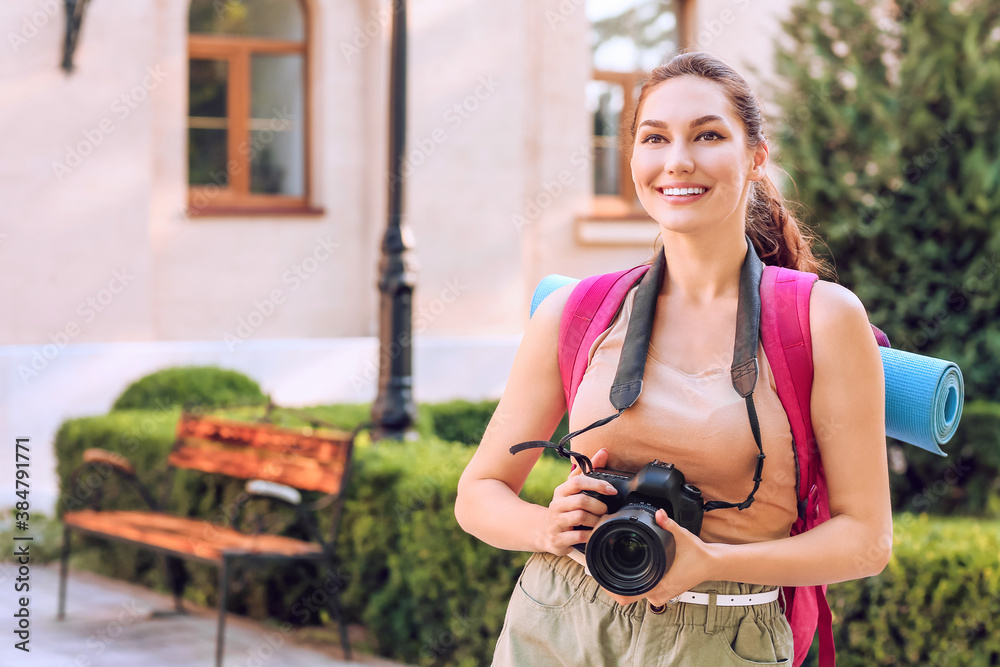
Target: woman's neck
[(703, 268)]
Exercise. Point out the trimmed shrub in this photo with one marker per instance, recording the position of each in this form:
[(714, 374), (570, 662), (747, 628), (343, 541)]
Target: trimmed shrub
[(965, 482), (345, 416), (461, 421), (410, 571), (430, 594), (202, 386), (466, 421), (935, 604)]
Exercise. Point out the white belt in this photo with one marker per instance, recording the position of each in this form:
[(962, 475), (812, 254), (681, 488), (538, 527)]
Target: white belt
[(702, 598), (728, 600)]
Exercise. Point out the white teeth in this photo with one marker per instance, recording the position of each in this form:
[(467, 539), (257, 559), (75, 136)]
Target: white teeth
[(682, 191)]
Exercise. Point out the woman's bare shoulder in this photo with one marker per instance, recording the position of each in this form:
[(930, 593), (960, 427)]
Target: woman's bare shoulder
[(842, 341), (836, 311), (545, 321)]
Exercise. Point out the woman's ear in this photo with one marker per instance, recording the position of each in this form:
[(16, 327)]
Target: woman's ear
[(758, 167)]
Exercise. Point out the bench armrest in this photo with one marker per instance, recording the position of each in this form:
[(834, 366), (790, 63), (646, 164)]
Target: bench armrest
[(113, 459), (118, 463), (260, 487)]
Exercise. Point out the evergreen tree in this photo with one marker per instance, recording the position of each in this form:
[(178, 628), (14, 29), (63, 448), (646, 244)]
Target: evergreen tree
[(889, 132)]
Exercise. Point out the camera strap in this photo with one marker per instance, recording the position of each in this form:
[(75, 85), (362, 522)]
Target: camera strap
[(627, 386)]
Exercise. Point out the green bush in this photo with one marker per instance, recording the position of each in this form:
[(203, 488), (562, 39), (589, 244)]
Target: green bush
[(967, 482), (404, 558), (888, 131), (935, 604), (345, 416), (430, 594), (461, 421), (202, 386), (466, 421)]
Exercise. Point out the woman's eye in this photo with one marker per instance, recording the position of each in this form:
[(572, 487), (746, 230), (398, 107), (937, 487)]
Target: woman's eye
[(714, 134), (653, 139)]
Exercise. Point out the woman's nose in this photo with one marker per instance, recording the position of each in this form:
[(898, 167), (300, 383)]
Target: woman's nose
[(678, 159)]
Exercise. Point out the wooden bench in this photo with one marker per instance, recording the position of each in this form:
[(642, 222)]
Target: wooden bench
[(278, 462)]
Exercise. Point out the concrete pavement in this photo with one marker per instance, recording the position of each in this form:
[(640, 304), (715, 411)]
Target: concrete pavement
[(108, 624)]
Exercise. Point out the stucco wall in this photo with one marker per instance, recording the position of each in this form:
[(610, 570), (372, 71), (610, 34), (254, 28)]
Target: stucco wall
[(497, 167)]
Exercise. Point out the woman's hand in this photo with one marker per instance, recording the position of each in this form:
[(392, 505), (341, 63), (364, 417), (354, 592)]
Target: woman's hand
[(692, 566), (571, 508)]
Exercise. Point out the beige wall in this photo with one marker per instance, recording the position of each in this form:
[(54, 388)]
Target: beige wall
[(496, 138), (513, 152)]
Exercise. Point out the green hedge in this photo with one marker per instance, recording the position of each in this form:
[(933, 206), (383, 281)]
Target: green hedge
[(936, 603), (430, 594), (966, 482), (466, 421), (461, 421), (203, 386)]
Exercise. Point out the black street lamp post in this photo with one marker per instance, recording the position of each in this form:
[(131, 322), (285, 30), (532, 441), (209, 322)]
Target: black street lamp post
[(394, 410), (74, 19)]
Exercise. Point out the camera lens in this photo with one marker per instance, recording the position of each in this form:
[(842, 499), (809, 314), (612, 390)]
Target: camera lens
[(628, 553)]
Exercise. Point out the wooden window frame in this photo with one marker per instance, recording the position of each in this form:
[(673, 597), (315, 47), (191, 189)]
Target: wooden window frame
[(619, 207), (236, 198)]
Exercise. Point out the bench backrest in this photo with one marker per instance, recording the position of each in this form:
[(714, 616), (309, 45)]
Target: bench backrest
[(300, 458)]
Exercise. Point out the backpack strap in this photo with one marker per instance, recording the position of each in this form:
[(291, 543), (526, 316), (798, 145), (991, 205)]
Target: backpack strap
[(589, 311), (784, 331), (787, 342)]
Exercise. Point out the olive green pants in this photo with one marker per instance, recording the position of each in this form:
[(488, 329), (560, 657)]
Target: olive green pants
[(559, 615)]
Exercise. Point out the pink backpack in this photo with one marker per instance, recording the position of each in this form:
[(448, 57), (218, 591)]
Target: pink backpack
[(784, 331)]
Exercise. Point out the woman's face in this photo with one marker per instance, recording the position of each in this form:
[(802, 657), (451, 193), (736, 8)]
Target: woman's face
[(688, 137)]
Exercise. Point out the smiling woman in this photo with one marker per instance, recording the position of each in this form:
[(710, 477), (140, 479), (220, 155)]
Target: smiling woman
[(667, 364)]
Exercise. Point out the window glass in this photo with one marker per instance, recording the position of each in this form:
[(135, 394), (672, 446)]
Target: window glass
[(632, 35), (276, 121), (273, 19), (207, 122), (605, 100)]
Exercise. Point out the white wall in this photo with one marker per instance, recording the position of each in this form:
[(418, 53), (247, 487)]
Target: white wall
[(85, 379), (497, 125)]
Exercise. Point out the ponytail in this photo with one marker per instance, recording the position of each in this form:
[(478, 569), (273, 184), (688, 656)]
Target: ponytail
[(778, 238)]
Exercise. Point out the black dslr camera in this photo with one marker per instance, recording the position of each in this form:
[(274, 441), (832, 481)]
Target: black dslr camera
[(628, 553)]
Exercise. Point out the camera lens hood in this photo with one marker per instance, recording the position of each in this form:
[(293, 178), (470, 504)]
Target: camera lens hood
[(628, 553)]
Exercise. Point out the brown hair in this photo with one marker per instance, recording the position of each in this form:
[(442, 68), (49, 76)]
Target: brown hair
[(777, 236)]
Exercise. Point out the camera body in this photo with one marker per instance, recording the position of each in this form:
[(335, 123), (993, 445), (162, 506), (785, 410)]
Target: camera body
[(657, 484), (628, 553)]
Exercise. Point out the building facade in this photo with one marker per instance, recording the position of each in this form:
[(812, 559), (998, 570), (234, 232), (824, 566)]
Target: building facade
[(208, 185)]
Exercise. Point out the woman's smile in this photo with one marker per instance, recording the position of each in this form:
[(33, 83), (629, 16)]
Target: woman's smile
[(682, 193)]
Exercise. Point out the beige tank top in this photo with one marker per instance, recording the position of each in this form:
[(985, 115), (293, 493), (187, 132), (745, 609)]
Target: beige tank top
[(700, 424)]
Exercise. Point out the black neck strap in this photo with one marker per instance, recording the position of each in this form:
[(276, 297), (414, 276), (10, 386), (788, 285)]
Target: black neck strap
[(627, 386)]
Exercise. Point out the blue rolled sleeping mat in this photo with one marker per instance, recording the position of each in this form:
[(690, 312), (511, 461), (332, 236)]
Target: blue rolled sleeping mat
[(923, 395)]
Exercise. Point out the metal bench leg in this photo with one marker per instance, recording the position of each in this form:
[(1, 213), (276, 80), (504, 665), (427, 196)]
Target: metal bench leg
[(338, 613), (177, 580), (223, 591), (333, 602), (63, 572)]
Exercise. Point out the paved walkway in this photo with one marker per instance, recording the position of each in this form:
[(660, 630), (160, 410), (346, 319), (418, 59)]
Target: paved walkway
[(108, 624)]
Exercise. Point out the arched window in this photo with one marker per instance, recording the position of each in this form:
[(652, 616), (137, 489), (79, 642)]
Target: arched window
[(247, 102), (628, 38)]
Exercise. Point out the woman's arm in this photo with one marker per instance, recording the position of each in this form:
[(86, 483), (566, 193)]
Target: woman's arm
[(848, 415), (531, 407)]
